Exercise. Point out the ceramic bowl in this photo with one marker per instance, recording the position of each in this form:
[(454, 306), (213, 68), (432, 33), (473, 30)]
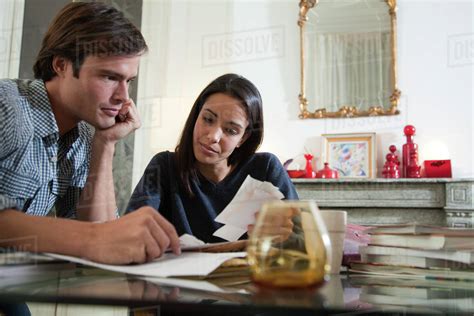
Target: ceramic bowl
[(296, 173)]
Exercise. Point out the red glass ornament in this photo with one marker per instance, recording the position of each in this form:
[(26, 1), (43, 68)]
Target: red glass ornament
[(410, 168), (393, 149), (390, 168)]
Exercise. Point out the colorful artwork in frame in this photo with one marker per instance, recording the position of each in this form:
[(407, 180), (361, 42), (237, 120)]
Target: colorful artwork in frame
[(352, 155)]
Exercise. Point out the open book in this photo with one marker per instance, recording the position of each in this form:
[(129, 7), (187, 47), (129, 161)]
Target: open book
[(191, 243), (168, 265), (194, 262)]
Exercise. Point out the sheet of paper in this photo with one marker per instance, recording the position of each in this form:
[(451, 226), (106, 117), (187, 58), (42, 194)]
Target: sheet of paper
[(189, 241), (229, 232), (240, 212), (188, 263)]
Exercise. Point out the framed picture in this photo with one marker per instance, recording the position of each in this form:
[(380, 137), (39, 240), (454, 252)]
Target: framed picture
[(352, 155)]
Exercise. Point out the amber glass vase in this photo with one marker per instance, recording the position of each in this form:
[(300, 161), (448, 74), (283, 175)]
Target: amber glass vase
[(289, 246)]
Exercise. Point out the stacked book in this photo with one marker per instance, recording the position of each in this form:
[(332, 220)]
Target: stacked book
[(418, 251)]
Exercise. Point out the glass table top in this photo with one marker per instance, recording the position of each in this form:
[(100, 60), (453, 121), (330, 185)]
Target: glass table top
[(341, 293)]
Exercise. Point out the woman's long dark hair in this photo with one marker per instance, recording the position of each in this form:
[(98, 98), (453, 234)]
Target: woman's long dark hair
[(238, 88)]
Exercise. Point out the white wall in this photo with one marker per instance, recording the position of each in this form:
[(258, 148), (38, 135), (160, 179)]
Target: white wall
[(11, 23), (188, 49)]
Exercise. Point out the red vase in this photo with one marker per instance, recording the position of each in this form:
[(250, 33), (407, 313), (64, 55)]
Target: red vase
[(309, 167)]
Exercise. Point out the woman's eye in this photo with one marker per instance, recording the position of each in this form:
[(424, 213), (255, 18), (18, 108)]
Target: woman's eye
[(232, 131), (207, 119)]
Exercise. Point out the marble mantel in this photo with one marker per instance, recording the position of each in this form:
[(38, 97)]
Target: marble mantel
[(382, 201)]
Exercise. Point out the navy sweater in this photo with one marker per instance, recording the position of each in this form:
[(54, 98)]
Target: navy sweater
[(160, 188)]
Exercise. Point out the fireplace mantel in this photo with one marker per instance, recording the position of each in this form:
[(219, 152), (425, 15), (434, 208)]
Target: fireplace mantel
[(382, 201)]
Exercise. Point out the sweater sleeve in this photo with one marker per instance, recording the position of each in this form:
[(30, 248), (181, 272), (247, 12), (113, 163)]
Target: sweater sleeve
[(148, 191), (278, 176)]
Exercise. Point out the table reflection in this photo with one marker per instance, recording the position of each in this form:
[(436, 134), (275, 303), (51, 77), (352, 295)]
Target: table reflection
[(429, 296), (355, 293)]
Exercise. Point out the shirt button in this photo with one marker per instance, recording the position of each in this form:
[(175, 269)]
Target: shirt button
[(53, 159)]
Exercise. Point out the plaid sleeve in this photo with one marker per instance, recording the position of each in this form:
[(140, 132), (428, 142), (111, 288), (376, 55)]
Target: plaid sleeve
[(10, 137), (7, 202), (8, 124)]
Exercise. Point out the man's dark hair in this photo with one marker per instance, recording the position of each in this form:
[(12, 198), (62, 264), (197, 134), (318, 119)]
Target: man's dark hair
[(236, 87), (84, 29)]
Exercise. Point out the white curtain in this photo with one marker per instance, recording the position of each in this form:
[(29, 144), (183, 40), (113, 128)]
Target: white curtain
[(11, 24), (350, 69)]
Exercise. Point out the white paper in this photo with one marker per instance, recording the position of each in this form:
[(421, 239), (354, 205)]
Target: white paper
[(240, 212), (189, 241), (229, 232), (188, 263)]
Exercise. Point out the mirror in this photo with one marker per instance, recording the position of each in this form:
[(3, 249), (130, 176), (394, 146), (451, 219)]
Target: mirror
[(348, 58)]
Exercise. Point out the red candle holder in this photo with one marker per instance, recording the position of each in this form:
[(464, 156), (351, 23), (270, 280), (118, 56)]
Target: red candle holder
[(438, 168)]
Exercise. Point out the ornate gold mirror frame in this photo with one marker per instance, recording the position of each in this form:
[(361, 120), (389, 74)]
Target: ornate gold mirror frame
[(349, 110)]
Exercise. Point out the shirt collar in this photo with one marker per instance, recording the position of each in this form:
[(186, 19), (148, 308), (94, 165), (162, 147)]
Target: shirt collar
[(44, 120)]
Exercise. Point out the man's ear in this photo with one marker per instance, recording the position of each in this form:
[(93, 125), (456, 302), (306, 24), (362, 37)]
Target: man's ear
[(60, 65), (243, 139)]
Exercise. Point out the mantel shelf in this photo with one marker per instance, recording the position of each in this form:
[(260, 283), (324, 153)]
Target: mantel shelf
[(382, 180), (435, 201)]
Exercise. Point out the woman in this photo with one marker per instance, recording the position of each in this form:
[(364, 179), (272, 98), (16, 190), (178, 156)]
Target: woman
[(215, 154)]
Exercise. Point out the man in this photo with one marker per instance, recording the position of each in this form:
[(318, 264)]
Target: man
[(50, 160)]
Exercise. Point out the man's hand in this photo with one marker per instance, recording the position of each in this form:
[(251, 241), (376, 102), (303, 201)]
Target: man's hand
[(127, 119), (97, 201), (137, 237)]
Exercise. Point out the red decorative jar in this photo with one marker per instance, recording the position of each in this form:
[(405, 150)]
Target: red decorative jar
[(327, 173)]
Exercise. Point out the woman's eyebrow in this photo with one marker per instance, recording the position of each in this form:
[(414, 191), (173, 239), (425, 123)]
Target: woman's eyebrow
[(215, 114), (233, 123)]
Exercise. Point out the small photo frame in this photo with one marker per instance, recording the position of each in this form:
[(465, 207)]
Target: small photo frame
[(352, 155)]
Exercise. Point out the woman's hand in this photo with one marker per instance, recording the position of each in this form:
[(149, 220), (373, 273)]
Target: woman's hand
[(278, 223)]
